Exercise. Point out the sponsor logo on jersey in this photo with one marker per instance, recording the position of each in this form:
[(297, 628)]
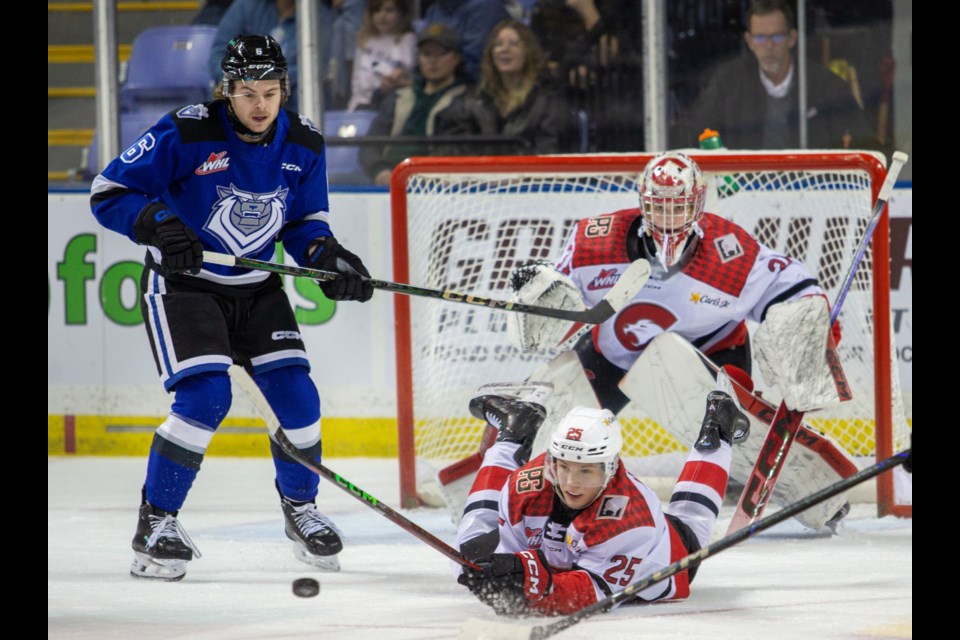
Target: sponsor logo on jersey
[(728, 247), (612, 507), (286, 166), (604, 280), (193, 112), (556, 532), (699, 298), (534, 536), (216, 162), (244, 221), (285, 335), (639, 323)]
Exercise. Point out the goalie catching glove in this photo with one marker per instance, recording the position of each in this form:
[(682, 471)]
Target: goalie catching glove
[(540, 284), (353, 281), (791, 350)]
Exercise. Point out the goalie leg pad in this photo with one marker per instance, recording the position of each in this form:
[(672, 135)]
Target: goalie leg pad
[(669, 382)]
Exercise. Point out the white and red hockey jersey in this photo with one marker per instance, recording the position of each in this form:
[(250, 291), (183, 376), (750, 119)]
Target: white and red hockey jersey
[(622, 537), (730, 278)]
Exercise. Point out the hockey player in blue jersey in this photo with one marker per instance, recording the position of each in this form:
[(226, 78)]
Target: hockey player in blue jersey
[(233, 175)]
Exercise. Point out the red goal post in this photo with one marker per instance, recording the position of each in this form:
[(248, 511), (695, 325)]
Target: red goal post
[(463, 223)]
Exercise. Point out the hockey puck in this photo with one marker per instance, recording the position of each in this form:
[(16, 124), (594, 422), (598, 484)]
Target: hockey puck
[(306, 587)]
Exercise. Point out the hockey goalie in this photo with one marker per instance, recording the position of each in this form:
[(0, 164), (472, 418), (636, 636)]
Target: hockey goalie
[(661, 351)]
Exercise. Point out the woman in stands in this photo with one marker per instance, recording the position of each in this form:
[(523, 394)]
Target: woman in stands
[(386, 53), (511, 99)]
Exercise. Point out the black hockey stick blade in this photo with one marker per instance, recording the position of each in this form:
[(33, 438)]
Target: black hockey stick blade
[(252, 391), (630, 282), (475, 629)]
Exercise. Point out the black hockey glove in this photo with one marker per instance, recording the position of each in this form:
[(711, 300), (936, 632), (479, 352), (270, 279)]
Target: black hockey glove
[(508, 581), (354, 280), (180, 249)]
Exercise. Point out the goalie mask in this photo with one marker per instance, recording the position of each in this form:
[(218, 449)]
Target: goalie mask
[(672, 197), (253, 58), (584, 455)]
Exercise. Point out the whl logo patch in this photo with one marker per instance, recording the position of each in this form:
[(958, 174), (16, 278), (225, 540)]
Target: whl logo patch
[(604, 280), (216, 162)]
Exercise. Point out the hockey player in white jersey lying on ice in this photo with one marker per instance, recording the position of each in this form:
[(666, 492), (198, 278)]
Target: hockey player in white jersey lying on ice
[(573, 525), (709, 276)]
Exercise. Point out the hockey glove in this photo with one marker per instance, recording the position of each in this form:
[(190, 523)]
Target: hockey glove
[(353, 283), (540, 284), (180, 249), (509, 582)]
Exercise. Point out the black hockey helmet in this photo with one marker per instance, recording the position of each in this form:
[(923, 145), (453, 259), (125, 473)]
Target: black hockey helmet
[(255, 58)]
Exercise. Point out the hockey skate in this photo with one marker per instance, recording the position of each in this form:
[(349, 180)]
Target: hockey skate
[(722, 420), (316, 540), (161, 546), (516, 421)]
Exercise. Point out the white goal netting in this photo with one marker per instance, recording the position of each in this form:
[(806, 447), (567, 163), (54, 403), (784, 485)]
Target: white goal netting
[(466, 226)]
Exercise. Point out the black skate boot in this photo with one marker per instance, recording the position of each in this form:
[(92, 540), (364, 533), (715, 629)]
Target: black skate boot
[(161, 547), (316, 540), (516, 421), (724, 421)]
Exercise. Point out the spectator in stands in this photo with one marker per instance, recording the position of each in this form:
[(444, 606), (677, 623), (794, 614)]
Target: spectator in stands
[(386, 53), (347, 19), (413, 110), (211, 12), (276, 18), (510, 99), (472, 20), (753, 100), (593, 49)]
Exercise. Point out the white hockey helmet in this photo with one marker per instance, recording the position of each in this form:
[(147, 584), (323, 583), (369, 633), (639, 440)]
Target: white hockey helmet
[(672, 196), (586, 436)]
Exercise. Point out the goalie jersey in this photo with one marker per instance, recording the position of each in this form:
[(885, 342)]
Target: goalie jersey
[(727, 278), (190, 161)]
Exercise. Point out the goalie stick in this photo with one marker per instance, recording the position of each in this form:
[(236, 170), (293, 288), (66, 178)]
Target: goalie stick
[(252, 391), (785, 424), (482, 630), (616, 298)]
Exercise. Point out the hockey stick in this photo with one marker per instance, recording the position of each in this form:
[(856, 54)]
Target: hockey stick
[(621, 293), (252, 391), (480, 629), (786, 422)]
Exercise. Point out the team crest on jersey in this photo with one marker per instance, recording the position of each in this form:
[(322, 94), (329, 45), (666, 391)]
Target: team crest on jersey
[(308, 123), (194, 112), (639, 323), (216, 162), (245, 221), (534, 537), (728, 247), (604, 280), (612, 507)]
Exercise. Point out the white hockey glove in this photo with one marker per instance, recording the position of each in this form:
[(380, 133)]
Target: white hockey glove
[(791, 350), (540, 284)]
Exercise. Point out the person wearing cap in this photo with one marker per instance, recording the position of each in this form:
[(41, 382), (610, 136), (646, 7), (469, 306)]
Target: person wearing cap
[(234, 176), (472, 20), (413, 110)]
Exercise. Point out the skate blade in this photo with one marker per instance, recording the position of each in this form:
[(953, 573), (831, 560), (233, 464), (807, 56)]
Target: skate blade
[(324, 563), (148, 568)]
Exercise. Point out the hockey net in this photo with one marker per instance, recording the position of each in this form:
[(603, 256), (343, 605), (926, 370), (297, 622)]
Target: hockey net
[(462, 224)]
